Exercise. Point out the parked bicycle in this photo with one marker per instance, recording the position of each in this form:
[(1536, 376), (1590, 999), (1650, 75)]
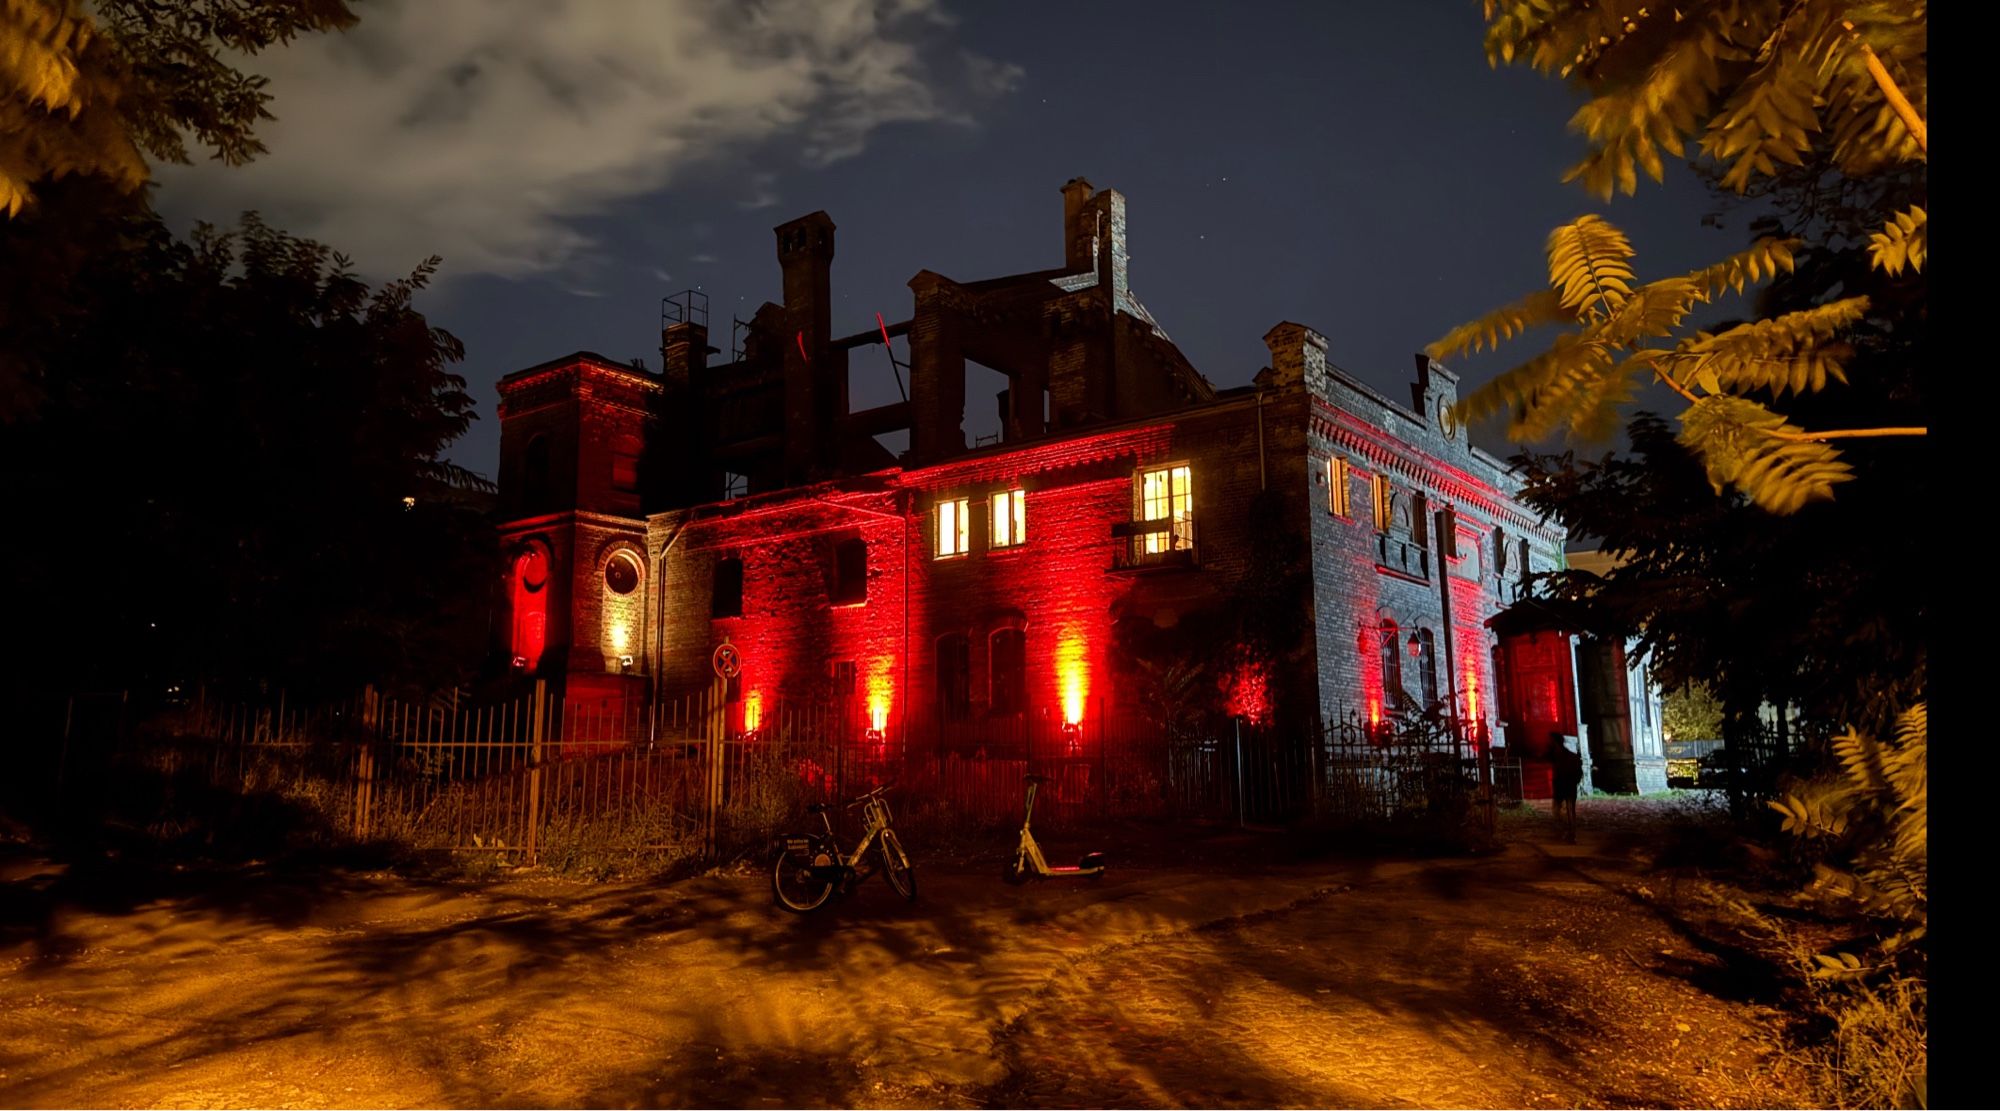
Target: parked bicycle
[(811, 868)]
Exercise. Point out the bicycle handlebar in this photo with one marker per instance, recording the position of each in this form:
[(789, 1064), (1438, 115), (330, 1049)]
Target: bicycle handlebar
[(859, 799)]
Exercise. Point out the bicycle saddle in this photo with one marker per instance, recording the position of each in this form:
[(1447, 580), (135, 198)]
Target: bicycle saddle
[(817, 808), (1036, 779)]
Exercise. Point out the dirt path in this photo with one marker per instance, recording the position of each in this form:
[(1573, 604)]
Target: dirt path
[(1535, 978)]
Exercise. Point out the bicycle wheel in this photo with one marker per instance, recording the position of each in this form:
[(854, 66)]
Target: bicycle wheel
[(799, 877), (896, 867)]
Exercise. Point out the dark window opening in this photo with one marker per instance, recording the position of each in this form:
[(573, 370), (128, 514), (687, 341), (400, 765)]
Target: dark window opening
[(954, 684), (850, 573), (1007, 668), (1523, 566), (1420, 521), (843, 679), (727, 597), (1499, 550), (625, 464), (1392, 666), (536, 481)]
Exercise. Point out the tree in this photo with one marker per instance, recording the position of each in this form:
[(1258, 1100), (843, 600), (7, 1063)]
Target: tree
[(1691, 713), (1756, 85), (92, 90), (237, 474)]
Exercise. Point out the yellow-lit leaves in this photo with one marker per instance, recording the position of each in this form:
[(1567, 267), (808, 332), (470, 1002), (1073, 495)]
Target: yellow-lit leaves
[(1766, 259), (1753, 80), (1743, 445), (1588, 267), (1503, 323), (1769, 119), (1902, 242), (1796, 352), (59, 86)]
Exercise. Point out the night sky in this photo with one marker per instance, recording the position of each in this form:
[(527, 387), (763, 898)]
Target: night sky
[(1354, 167)]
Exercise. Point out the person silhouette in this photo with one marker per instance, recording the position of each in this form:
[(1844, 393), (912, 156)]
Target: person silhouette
[(1567, 770)]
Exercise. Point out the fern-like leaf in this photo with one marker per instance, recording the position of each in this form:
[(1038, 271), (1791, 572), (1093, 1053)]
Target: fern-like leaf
[(1795, 352), (1765, 259), (1536, 394), (1654, 309), (1588, 266), (1500, 325), (1901, 242), (1734, 438)]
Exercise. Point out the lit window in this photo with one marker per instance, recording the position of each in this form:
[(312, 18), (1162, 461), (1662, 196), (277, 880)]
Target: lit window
[(1336, 487), (1385, 503), (953, 533), (1166, 497), (1010, 519)]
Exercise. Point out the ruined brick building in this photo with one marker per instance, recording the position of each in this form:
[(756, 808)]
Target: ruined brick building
[(953, 591)]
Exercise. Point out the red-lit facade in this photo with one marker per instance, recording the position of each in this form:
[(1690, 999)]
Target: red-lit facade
[(947, 592)]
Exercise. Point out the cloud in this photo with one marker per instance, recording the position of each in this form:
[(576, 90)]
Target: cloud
[(763, 192), (483, 129)]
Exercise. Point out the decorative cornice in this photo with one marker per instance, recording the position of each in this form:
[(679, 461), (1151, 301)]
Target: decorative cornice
[(1360, 438)]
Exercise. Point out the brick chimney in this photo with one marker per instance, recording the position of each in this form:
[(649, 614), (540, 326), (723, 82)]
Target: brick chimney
[(1298, 355), (1077, 230), (805, 254)]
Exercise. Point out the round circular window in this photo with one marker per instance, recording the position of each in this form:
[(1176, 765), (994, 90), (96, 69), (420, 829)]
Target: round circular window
[(1447, 420), (621, 575), (532, 569)]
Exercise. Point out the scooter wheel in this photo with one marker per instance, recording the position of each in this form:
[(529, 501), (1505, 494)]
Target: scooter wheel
[(1013, 874)]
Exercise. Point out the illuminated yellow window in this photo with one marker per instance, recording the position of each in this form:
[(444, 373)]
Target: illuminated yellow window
[(1010, 519), (953, 534), (1166, 496), (1385, 503), (1336, 487)]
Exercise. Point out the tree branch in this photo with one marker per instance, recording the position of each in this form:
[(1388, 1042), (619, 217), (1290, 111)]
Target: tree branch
[(1846, 433), (1894, 93)]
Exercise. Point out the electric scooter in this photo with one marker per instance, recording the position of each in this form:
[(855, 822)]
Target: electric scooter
[(1028, 862)]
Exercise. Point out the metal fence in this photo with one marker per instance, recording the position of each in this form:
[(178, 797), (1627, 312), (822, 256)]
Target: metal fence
[(535, 776)]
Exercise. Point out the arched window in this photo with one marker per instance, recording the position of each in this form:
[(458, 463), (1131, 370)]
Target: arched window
[(531, 606), (954, 677), (621, 573), (1393, 693), (1007, 671), (1427, 667)]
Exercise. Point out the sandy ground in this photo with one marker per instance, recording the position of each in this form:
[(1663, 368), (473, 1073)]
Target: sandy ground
[(1538, 977)]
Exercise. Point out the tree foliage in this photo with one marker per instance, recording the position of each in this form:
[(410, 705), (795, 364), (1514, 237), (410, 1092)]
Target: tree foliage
[(93, 89), (1758, 87), (1691, 713), (237, 471)]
